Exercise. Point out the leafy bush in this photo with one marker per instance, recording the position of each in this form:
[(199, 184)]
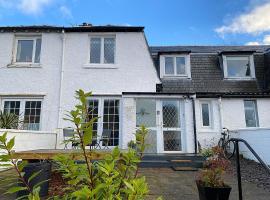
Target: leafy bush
[(215, 167), (9, 120), (207, 152), (114, 177)]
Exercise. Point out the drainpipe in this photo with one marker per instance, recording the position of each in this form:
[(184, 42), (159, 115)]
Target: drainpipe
[(61, 79), (220, 113), (194, 124)]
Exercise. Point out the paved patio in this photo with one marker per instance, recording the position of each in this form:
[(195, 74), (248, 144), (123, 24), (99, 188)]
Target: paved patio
[(172, 185)]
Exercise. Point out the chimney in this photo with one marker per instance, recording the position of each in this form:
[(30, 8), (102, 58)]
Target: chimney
[(85, 24)]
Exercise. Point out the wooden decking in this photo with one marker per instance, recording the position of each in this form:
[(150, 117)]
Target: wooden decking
[(49, 154)]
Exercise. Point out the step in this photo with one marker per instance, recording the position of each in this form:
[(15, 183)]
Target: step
[(173, 157), (185, 169), (154, 163)]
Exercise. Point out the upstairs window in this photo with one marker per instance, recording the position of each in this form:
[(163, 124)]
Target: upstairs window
[(238, 67), (175, 66), (102, 50), (28, 50), (251, 113)]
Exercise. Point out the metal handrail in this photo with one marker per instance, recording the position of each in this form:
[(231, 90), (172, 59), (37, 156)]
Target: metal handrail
[(236, 145)]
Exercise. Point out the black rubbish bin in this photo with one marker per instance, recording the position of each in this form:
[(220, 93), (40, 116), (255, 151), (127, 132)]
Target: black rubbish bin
[(44, 175)]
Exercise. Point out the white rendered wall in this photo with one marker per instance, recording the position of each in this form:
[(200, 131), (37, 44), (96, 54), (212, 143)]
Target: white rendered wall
[(233, 118), (258, 139), (234, 113), (43, 80), (128, 121), (30, 140), (133, 70)]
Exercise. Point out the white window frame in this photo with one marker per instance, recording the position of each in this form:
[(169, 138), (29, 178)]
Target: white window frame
[(256, 113), (22, 107), (100, 115), (252, 67), (210, 110), (102, 37), (175, 75), (32, 38)]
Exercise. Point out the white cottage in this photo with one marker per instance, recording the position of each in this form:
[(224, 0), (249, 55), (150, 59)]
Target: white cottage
[(183, 94)]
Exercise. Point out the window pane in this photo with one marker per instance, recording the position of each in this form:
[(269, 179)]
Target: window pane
[(24, 51), (38, 48), (109, 50), (205, 114), (95, 50), (146, 112), (181, 65), (93, 112), (251, 114), (111, 121), (238, 66), (12, 107), (169, 69), (32, 115), (171, 116)]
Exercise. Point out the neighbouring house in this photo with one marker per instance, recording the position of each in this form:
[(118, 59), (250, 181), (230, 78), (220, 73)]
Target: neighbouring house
[(183, 94)]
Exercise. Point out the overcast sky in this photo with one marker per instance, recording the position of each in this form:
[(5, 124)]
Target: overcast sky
[(170, 22)]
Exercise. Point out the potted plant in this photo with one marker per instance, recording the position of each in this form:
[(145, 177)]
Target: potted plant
[(210, 182)]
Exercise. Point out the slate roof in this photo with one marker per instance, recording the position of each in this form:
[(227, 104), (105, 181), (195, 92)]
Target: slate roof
[(208, 49), (46, 28), (207, 75)]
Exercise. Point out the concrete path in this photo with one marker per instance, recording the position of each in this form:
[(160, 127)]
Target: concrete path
[(172, 185)]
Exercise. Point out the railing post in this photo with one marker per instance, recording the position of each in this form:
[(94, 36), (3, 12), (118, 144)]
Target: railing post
[(238, 171)]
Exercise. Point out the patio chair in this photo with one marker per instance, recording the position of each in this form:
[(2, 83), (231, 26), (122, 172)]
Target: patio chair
[(105, 138), (95, 143), (68, 134)]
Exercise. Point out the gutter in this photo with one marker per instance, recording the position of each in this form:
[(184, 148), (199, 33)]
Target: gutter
[(61, 79), (194, 124)]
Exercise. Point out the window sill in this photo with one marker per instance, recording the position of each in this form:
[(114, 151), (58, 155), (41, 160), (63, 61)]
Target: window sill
[(240, 79), (176, 77), (25, 65), (100, 66)]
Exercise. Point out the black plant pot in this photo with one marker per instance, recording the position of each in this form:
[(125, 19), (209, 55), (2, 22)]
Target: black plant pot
[(43, 176), (213, 193)]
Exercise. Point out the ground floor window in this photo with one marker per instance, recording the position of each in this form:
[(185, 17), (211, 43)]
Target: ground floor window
[(206, 114), (108, 124), (251, 113), (28, 111)]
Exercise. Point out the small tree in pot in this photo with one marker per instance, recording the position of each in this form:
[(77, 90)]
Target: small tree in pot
[(210, 182)]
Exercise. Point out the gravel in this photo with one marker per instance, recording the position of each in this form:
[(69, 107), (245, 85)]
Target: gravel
[(253, 172)]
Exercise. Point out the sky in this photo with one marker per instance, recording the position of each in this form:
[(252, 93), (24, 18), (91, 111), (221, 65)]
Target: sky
[(166, 22)]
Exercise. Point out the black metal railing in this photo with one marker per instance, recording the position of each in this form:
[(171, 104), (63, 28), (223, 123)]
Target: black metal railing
[(238, 167)]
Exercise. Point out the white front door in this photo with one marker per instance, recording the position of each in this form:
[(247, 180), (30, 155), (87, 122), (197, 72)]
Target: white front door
[(170, 134)]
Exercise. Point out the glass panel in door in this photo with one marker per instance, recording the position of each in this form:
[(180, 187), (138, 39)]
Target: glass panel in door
[(146, 115), (171, 125)]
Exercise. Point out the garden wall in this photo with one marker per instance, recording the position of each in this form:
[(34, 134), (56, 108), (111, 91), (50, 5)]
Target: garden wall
[(258, 139), (29, 140)]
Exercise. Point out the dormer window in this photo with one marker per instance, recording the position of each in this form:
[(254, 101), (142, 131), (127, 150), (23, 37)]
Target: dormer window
[(238, 66), (174, 66)]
